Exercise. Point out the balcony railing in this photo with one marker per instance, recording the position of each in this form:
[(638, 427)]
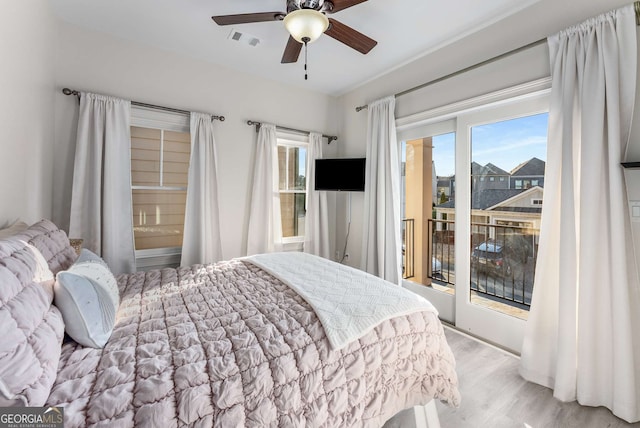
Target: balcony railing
[(503, 258), (503, 261), (442, 245)]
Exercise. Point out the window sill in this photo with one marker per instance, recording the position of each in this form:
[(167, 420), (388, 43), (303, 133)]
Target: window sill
[(158, 258), (297, 245)]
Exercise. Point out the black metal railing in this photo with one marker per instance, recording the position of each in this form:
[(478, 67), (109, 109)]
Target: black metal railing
[(408, 247), (503, 261), (442, 246)]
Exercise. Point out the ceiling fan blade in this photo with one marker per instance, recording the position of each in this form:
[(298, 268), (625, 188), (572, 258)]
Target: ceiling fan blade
[(292, 51), (246, 18), (350, 37), (339, 5)]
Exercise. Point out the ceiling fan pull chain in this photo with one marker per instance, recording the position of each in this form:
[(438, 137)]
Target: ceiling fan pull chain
[(305, 40)]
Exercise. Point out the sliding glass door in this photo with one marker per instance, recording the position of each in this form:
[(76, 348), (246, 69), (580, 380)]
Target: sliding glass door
[(473, 192)]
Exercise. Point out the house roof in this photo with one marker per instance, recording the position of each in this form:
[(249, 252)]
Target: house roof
[(488, 169), (532, 167), (521, 209), (475, 168), (491, 169), (491, 199)]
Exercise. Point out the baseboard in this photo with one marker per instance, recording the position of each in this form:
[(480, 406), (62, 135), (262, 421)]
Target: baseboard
[(479, 339)]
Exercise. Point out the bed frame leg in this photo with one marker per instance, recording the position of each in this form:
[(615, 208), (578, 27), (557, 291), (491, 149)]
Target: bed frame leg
[(427, 415)]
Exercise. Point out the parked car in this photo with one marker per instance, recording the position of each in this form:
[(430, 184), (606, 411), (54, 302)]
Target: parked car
[(490, 256)]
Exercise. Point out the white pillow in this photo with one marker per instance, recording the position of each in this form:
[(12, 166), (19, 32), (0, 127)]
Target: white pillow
[(87, 295)]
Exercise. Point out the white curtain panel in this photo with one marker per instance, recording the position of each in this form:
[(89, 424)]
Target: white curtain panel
[(265, 224), (582, 334), (316, 227), (202, 242), (381, 245), (101, 209)]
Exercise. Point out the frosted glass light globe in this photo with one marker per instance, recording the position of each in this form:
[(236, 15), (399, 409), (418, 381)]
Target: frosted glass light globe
[(308, 23)]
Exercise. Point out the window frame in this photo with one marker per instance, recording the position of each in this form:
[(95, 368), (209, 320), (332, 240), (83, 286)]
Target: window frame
[(289, 140), (150, 118)]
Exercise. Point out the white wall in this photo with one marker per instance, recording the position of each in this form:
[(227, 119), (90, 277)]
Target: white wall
[(525, 66), (95, 62), (27, 33)]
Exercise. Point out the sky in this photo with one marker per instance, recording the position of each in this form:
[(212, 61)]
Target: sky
[(505, 144)]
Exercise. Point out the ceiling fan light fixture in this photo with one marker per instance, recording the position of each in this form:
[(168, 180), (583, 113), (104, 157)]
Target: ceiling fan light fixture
[(306, 24)]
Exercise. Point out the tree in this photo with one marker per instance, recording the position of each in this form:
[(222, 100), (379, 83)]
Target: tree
[(517, 247), (443, 198)]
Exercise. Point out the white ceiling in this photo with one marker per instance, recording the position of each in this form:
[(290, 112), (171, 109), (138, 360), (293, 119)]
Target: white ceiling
[(404, 29)]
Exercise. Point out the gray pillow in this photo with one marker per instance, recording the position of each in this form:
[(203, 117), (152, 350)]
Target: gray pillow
[(87, 295)]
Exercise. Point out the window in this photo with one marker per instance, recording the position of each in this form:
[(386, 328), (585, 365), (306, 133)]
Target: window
[(492, 179), (534, 182), (160, 152), (501, 178), (292, 166), (159, 172), (512, 240), (425, 230)]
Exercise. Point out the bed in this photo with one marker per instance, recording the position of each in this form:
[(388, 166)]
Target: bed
[(226, 344)]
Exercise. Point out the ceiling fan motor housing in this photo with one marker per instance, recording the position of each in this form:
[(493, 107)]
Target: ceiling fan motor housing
[(321, 5)]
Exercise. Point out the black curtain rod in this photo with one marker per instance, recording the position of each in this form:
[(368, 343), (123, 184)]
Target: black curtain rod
[(284, 128), (464, 70), (636, 6), (68, 91)]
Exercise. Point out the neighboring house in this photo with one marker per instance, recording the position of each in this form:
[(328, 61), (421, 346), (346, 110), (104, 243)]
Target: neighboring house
[(528, 174), (502, 207), (445, 185), (488, 176)]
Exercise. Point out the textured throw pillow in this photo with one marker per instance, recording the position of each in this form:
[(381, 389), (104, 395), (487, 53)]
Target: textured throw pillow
[(52, 242), (87, 295)]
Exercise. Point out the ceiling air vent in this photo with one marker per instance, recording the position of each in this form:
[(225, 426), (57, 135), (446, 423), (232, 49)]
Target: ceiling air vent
[(244, 38)]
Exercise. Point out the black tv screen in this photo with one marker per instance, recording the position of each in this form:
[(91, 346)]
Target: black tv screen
[(345, 174)]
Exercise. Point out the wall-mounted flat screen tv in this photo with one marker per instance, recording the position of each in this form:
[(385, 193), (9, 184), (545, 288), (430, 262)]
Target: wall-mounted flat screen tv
[(344, 174)]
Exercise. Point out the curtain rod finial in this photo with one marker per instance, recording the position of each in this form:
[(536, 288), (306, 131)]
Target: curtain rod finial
[(68, 91)]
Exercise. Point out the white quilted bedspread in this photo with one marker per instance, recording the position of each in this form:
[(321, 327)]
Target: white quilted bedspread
[(346, 300)]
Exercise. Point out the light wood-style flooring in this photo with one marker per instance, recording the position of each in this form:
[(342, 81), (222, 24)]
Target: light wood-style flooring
[(495, 396)]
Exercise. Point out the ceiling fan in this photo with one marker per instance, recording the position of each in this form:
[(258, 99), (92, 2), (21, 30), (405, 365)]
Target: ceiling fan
[(306, 20)]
